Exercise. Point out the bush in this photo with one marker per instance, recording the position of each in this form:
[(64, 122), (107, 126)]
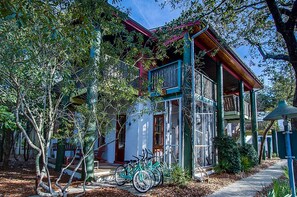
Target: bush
[(248, 157), (229, 156), (179, 176)]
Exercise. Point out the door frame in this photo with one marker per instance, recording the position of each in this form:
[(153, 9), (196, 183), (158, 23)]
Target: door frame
[(162, 133), (164, 113)]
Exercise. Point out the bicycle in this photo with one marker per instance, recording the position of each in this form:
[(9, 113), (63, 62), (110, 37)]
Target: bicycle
[(135, 172)]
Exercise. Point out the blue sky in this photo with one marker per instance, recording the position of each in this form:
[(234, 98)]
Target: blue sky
[(149, 14)]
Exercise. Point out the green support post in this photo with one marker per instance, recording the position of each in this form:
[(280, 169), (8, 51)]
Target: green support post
[(220, 100), (264, 149), (274, 143), (269, 147), (60, 154), (187, 134), (254, 119), (92, 99), (60, 158), (241, 106)]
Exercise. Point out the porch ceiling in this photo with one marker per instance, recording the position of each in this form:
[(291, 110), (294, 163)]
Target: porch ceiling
[(230, 83), (232, 63)]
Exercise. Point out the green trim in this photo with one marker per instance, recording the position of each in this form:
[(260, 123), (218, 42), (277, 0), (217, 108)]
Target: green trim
[(220, 100), (60, 154), (269, 155), (254, 119), (241, 106), (274, 142), (92, 99), (170, 90), (187, 134)]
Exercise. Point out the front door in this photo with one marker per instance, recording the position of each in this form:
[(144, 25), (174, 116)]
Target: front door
[(158, 141), (120, 138)]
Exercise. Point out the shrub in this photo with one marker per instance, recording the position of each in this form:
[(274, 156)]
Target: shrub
[(248, 157), (229, 156), (179, 176)]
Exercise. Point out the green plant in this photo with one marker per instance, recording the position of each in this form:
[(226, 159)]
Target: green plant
[(286, 172), (229, 156), (222, 166), (248, 157), (179, 176), (245, 163), (281, 188)]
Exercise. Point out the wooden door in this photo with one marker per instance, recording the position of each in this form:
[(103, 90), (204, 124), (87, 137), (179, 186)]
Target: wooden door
[(158, 141), (121, 138)]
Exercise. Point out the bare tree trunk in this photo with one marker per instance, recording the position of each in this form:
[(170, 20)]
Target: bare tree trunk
[(26, 150), (263, 140)]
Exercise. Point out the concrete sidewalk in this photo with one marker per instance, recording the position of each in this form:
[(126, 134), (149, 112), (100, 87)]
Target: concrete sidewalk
[(249, 186)]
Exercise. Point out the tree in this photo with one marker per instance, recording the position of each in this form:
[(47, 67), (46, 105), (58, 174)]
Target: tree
[(281, 86), (45, 54)]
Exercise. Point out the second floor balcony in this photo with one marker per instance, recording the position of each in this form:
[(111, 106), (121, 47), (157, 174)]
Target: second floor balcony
[(232, 108), (165, 79)]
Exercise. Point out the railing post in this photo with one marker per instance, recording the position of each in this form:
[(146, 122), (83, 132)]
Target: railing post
[(254, 119), (241, 104)]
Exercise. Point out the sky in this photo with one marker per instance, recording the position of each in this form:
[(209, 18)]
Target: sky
[(149, 14)]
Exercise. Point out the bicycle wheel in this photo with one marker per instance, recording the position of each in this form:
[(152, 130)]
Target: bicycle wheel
[(142, 181), (120, 175), (158, 177)]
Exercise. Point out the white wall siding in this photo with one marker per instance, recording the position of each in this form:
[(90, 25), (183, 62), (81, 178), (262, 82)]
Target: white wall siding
[(139, 130), (132, 135), (110, 137)]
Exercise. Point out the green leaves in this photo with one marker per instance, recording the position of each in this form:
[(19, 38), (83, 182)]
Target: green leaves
[(229, 154), (7, 119)]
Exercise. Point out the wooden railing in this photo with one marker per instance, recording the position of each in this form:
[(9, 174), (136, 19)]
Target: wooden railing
[(231, 103), (166, 78), (205, 87), (117, 69)]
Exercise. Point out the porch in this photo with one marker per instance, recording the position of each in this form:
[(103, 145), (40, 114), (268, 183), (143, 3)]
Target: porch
[(102, 170), (205, 109)]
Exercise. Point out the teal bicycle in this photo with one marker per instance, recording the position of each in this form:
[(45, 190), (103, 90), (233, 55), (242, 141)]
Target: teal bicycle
[(134, 171), (154, 167)]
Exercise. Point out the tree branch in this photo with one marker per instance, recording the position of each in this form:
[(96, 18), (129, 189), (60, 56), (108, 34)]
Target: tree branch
[(272, 56), (292, 21), (285, 11), (266, 55), (273, 8), (248, 6)]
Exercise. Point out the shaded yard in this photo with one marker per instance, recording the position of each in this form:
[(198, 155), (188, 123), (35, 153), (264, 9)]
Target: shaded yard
[(19, 180)]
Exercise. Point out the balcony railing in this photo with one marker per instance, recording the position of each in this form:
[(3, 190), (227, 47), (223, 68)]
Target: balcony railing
[(205, 87), (231, 104), (110, 71), (117, 69), (165, 79)]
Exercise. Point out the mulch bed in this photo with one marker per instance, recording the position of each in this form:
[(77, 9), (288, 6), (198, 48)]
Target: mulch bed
[(215, 182), (19, 180)]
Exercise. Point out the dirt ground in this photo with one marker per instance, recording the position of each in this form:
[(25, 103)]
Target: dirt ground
[(19, 180)]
